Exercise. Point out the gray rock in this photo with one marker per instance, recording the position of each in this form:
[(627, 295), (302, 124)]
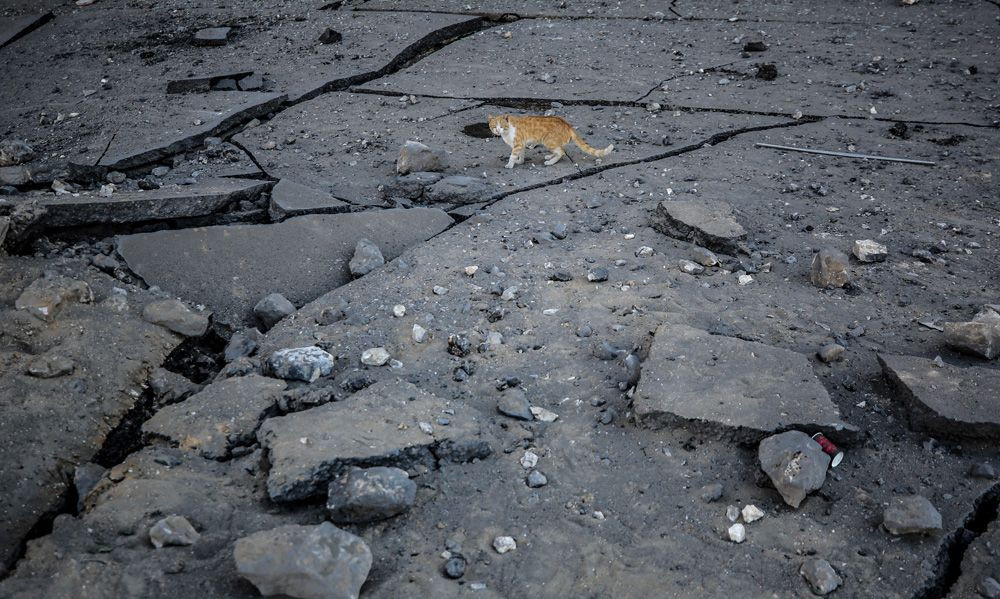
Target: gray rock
[(711, 492), (222, 416), (379, 425), (201, 83), (454, 568), (514, 403), (14, 152), (45, 298), (691, 268), (704, 257), (536, 479), (367, 257), (745, 389), (290, 198), (982, 470), (300, 363), (417, 157), (460, 189), (330, 36), (795, 464), (170, 387), (709, 223), (307, 562), (161, 171), (359, 496), (989, 587), (597, 275), (50, 366), (867, 250), (911, 514), (820, 575), (831, 352), (980, 336), (252, 82), (272, 309), (829, 269), (85, 478), (213, 36), (241, 344), (945, 399), (174, 315), (172, 530), (410, 186), (116, 177), (375, 356)]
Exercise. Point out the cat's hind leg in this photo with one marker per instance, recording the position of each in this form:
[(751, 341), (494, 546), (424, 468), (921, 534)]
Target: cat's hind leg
[(555, 156)]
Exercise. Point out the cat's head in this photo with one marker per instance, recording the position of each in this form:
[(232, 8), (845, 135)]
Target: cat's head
[(499, 123)]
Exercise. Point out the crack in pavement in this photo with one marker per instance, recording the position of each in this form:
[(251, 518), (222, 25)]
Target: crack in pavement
[(682, 75)]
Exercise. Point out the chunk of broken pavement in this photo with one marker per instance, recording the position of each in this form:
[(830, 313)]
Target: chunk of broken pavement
[(380, 425), (241, 344), (50, 366), (415, 157), (46, 297), (980, 336), (330, 36), (460, 189), (174, 315), (820, 575), (289, 198), (213, 36), (222, 416), (744, 388), (867, 250), (795, 464), (300, 363), (912, 514), (514, 403), (14, 152), (831, 352), (308, 562), (946, 400), (829, 269), (366, 495), (272, 309), (708, 223), (172, 530), (367, 257)]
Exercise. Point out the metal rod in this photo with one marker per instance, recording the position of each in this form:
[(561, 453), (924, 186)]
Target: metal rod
[(847, 154)]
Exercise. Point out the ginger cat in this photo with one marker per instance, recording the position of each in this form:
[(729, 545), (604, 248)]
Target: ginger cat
[(520, 132)]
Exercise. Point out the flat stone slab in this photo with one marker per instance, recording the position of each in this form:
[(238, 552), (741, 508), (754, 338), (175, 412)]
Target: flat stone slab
[(709, 223), (392, 423), (223, 415), (208, 197), (946, 400), (14, 29), (204, 83), (746, 388), (230, 268), (289, 198)]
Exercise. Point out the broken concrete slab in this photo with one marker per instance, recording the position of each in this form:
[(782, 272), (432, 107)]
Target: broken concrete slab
[(289, 198), (222, 416), (14, 29), (229, 268), (392, 423), (709, 223), (182, 201), (204, 83), (945, 399), (212, 36), (980, 336), (743, 388)]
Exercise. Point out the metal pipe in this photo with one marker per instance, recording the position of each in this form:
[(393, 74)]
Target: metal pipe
[(847, 154)]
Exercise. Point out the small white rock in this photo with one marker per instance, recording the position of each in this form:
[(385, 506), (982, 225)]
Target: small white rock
[(426, 427), (439, 290), (752, 513), (529, 460), (399, 310), (745, 279), (419, 333), (471, 270), (375, 356), (644, 251), (509, 293), (504, 544), (733, 513), (543, 414), (691, 268), (737, 533)]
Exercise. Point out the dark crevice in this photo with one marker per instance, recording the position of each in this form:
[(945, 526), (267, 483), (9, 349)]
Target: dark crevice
[(253, 159), (681, 76), (126, 438), (43, 19), (953, 547), (673, 9)]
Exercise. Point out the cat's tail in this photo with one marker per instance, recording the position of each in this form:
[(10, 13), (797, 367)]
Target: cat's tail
[(592, 151)]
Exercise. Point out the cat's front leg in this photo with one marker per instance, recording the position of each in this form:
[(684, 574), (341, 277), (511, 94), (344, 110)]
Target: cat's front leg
[(512, 161)]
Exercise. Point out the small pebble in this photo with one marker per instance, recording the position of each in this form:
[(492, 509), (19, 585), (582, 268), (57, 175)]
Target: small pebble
[(503, 544)]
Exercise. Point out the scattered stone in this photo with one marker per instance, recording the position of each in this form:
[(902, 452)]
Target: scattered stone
[(732, 513), (419, 334), (543, 415), (982, 470), (945, 400), (737, 533), (514, 403), (751, 513), (252, 82), (820, 575), (691, 268), (367, 257), (454, 568), (744, 279), (379, 425), (829, 269), (755, 46), (768, 72), (359, 496), (172, 530), (270, 310), (307, 562), (980, 336), (14, 152), (560, 230), (831, 352), (471, 270), (45, 298), (708, 223), (704, 257), (459, 345), (597, 275), (290, 198), (989, 587), (644, 252), (867, 250), (795, 464), (711, 492), (745, 388), (912, 514), (241, 344), (439, 290), (376, 356), (218, 418), (504, 544), (417, 157), (169, 387), (399, 310), (50, 366), (529, 460), (300, 363), (174, 315), (561, 276), (329, 36), (536, 479), (213, 36), (85, 478)]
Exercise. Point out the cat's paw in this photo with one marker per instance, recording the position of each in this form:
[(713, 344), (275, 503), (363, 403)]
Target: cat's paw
[(509, 165)]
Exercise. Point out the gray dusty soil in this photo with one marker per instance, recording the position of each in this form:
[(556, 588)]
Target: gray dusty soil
[(560, 287)]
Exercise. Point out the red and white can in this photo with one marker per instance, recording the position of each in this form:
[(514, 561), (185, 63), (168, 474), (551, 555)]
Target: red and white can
[(836, 456)]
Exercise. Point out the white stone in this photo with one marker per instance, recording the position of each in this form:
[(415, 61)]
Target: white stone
[(375, 356), (745, 279), (544, 415), (737, 533), (733, 513), (419, 333), (529, 460), (752, 513), (504, 544), (691, 268), (439, 290), (471, 270), (399, 310), (867, 250)]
